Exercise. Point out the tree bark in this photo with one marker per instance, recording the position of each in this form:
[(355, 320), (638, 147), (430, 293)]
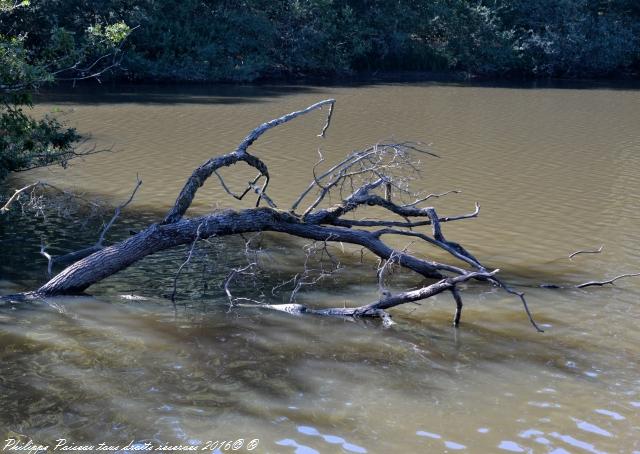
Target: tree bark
[(377, 176)]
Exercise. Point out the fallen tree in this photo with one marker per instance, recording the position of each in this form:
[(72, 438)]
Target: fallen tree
[(379, 177)]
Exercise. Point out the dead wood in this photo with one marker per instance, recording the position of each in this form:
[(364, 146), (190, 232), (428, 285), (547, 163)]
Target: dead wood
[(380, 176)]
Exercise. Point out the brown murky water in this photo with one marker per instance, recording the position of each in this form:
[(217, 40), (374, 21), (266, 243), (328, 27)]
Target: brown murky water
[(555, 169)]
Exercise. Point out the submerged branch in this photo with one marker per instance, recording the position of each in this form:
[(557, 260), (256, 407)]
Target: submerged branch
[(187, 260), (17, 193), (380, 176)]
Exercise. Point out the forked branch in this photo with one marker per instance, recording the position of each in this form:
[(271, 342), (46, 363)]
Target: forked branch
[(378, 180)]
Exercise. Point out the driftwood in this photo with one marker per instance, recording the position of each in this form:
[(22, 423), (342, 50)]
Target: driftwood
[(379, 176), (595, 251)]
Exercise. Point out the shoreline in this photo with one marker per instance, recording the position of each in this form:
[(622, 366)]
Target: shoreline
[(622, 81)]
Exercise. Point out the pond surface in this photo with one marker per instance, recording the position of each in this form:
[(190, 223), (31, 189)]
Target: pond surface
[(555, 169)]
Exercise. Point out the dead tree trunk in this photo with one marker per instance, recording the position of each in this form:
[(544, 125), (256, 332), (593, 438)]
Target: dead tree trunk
[(379, 176)]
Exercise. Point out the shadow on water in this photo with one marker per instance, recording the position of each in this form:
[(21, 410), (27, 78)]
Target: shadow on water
[(21, 236), (139, 369), (159, 94), (83, 366), (199, 286), (89, 93)]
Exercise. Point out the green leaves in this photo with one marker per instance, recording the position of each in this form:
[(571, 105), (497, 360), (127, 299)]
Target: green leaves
[(10, 5), (17, 73), (108, 36), (26, 63), (242, 41), (26, 143)]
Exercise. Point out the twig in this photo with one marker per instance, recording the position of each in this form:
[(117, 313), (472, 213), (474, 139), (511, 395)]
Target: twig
[(117, 212), (382, 270), (262, 195), (326, 125), (424, 199), (16, 194), (610, 281), (458, 299), (230, 277), (46, 255), (597, 251), (175, 279), (232, 194), (524, 304)]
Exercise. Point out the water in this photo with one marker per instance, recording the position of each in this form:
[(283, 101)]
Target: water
[(555, 170)]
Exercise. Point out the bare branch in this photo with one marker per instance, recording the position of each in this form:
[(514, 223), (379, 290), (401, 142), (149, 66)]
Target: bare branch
[(187, 260), (232, 194), (16, 194), (262, 195), (610, 281), (370, 310), (264, 127), (46, 255), (524, 304), (458, 299), (381, 176), (328, 123), (597, 251), (317, 179), (117, 212), (407, 224), (230, 277), (202, 173), (384, 269), (368, 161), (424, 199)]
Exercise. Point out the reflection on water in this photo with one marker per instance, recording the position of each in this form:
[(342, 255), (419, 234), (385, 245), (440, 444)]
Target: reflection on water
[(119, 370), (556, 170)]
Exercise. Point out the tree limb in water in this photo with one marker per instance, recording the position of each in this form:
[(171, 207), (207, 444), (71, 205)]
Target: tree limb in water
[(379, 177)]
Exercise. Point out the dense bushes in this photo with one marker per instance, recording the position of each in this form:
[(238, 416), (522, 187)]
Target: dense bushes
[(248, 39), (30, 58), (26, 143), (574, 37)]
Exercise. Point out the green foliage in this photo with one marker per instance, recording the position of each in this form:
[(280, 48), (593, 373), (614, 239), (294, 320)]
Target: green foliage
[(16, 72), (214, 39), (574, 37), (9, 5), (249, 39), (107, 36), (26, 63), (26, 143)]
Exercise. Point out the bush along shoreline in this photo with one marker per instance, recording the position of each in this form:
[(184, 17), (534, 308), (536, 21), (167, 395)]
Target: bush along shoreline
[(257, 40)]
